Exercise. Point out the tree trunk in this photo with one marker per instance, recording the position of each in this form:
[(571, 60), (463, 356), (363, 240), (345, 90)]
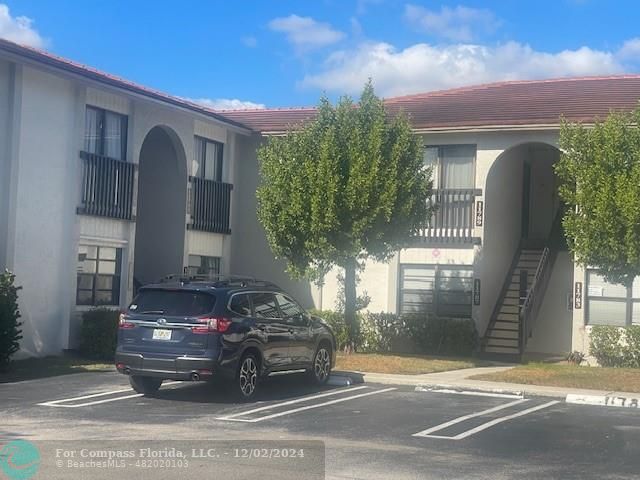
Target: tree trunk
[(350, 301)]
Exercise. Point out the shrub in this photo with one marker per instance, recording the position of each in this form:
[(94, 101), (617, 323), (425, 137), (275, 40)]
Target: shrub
[(381, 332), (10, 333), (605, 346), (616, 346), (440, 335), (419, 333), (99, 333), (335, 320)]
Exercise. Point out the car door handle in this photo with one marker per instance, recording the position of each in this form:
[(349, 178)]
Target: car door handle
[(262, 327)]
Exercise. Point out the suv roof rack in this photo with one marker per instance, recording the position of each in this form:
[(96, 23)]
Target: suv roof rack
[(217, 280)]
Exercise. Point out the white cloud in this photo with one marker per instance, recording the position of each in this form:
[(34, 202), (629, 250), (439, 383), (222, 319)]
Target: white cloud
[(459, 24), (19, 29), (630, 50), (227, 103), (249, 41), (305, 33), (363, 5), (423, 67)]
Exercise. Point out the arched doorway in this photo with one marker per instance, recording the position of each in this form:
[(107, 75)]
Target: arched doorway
[(523, 236), (161, 210)]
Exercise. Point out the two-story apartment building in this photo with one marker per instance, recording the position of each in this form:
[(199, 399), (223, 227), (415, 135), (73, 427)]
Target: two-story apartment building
[(106, 185), (494, 251)]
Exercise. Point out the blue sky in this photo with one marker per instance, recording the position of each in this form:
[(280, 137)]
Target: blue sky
[(287, 52)]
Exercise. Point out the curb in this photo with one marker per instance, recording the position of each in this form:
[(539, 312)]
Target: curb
[(477, 391), (604, 400), (341, 381)]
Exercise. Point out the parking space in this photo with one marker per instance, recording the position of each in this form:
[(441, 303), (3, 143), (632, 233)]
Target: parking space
[(375, 426), (288, 401)]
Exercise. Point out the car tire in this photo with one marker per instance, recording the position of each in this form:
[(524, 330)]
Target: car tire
[(145, 385), (321, 366), (247, 376)]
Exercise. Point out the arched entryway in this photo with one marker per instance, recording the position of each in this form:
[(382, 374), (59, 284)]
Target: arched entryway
[(523, 236), (161, 207)]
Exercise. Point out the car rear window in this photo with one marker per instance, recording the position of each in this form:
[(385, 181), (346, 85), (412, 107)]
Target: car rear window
[(180, 303)]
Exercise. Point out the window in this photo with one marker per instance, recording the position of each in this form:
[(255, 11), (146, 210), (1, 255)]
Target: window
[(288, 307), (444, 290), (611, 304), (241, 304), (105, 133), (173, 303), (202, 265), (98, 275), (453, 165), (264, 305), (208, 161)]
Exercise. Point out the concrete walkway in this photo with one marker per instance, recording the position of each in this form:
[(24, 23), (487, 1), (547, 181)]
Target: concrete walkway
[(459, 379)]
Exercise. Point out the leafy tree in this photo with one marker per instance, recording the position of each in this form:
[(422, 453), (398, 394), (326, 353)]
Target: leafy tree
[(599, 172), (344, 187), (10, 333)]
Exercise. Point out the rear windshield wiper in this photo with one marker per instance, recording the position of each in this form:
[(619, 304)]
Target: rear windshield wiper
[(155, 312)]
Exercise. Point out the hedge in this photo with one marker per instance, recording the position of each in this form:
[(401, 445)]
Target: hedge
[(99, 333), (417, 333), (616, 346)]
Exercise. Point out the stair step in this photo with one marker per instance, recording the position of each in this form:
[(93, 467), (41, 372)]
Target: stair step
[(507, 324), (502, 342), (503, 330), (509, 309), (505, 317), (511, 301), (505, 350), (508, 340)]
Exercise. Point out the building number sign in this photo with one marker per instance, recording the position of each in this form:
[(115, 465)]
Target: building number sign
[(479, 212), (577, 302)]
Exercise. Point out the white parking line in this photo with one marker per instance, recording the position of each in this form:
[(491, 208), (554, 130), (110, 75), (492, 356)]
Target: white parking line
[(291, 402), (428, 433), (442, 426), (61, 403), (491, 423), (307, 407)]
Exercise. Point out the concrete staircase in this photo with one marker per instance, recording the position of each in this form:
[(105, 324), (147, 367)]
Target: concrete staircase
[(502, 338)]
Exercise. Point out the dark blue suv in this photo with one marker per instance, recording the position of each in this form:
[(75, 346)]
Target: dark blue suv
[(237, 328)]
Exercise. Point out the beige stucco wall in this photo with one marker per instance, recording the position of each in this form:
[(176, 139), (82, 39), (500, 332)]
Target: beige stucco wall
[(552, 332), (251, 254), (42, 117), (498, 174), (6, 101)]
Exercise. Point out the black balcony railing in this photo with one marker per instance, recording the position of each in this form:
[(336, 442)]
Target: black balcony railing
[(453, 218), (210, 205), (107, 186)]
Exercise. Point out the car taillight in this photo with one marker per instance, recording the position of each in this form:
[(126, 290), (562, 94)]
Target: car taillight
[(122, 323), (212, 325)]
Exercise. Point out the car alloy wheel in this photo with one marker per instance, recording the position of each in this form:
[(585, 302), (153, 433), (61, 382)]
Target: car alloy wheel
[(322, 365), (248, 376)]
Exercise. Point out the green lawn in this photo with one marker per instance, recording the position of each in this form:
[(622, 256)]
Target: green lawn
[(402, 364), (50, 367), (563, 375)]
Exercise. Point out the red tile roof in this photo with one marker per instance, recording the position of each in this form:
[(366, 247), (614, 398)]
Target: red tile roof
[(504, 104), (46, 58)]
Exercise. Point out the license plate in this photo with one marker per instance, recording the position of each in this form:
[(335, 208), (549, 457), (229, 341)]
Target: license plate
[(161, 334)]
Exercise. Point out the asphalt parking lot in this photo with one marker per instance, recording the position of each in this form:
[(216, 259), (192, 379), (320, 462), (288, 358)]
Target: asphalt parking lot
[(369, 431)]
